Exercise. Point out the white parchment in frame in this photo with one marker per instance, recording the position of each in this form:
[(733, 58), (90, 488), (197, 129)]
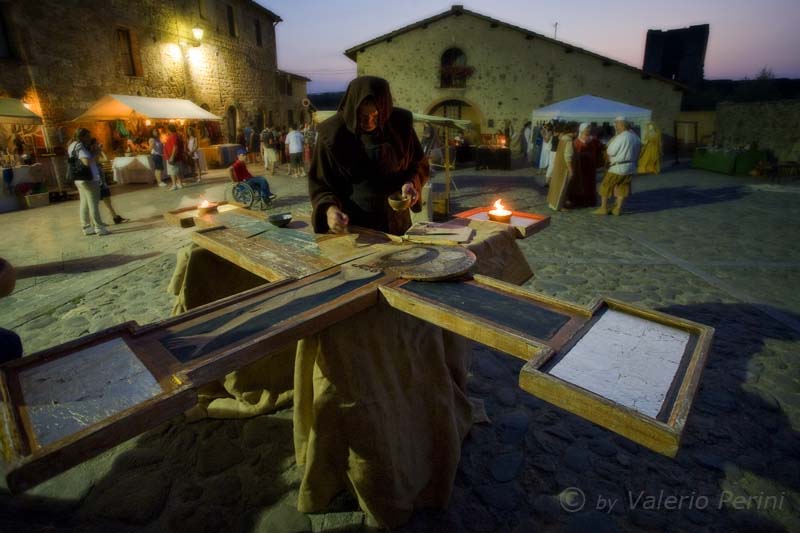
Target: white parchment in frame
[(629, 360)]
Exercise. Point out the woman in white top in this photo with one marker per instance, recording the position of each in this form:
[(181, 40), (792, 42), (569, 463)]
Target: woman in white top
[(545, 155), (194, 153), (88, 185)]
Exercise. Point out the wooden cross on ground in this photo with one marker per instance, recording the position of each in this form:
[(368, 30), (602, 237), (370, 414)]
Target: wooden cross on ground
[(628, 369)]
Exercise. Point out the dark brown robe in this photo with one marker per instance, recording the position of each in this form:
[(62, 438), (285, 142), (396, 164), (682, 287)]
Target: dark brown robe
[(357, 171), (582, 190)]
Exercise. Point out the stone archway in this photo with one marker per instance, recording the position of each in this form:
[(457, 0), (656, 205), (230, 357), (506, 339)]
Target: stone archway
[(462, 109)]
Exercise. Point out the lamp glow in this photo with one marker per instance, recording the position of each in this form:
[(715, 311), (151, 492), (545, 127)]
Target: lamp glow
[(197, 33)]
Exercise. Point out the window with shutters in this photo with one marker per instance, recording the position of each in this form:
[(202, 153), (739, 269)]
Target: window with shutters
[(128, 52), (231, 20), (5, 42), (259, 39)]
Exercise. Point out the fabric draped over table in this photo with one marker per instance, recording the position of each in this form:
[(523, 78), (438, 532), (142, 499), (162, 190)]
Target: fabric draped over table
[(380, 404)]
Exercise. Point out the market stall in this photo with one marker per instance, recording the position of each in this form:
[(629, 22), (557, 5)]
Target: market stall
[(138, 168), (438, 202), (590, 108), (16, 122)]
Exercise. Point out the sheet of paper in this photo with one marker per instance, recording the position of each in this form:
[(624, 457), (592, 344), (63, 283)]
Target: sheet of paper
[(627, 359)]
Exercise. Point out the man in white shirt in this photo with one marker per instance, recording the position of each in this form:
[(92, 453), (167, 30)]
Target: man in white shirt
[(623, 153), (295, 140)]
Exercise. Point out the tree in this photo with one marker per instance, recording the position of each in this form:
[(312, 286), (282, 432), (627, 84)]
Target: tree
[(765, 74)]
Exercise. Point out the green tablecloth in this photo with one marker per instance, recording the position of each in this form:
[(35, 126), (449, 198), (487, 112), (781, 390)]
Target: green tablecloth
[(727, 162)]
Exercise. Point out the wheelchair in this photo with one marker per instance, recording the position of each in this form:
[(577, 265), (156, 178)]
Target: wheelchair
[(247, 195)]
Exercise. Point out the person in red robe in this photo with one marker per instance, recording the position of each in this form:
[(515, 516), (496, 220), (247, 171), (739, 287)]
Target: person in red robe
[(588, 156)]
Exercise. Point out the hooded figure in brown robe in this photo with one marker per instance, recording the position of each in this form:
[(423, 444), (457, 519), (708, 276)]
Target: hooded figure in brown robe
[(364, 153)]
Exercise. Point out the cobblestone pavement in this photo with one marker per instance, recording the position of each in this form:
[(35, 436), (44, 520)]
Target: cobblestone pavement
[(720, 250)]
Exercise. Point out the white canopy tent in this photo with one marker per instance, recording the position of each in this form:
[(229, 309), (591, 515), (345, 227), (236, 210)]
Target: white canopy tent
[(590, 108), (121, 106)]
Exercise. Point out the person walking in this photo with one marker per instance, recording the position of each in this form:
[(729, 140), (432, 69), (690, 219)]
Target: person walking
[(294, 143), (88, 184), (96, 149), (157, 154), (193, 152), (174, 152), (623, 154)]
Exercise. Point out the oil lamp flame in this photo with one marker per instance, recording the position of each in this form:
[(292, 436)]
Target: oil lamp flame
[(500, 213), (205, 203)]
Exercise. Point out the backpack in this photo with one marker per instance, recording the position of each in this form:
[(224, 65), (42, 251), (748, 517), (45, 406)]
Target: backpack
[(76, 170)]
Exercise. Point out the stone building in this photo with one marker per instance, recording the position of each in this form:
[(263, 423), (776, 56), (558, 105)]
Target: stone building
[(294, 103), (60, 57), (466, 65)]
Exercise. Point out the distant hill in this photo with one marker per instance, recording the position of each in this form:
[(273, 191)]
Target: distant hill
[(326, 101)]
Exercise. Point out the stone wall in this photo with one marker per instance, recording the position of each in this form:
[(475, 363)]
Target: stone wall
[(775, 126), (513, 73), (68, 56)]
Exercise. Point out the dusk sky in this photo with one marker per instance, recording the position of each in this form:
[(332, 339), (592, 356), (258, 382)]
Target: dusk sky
[(746, 35)]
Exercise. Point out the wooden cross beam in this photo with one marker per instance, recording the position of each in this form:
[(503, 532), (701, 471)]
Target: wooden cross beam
[(69, 403)]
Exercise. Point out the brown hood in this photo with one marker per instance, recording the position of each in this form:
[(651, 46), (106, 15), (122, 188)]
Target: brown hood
[(360, 89)]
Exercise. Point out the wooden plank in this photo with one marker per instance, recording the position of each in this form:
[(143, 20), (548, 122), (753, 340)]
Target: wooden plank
[(49, 461), (229, 326), (481, 313), (546, 330), (329, 307), (648, 432)]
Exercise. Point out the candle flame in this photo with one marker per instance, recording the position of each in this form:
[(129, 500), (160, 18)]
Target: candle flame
[(205, 203)]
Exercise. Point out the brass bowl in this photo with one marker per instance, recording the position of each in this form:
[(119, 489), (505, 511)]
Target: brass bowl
[(500, 218), (281, 220), (398, 202)]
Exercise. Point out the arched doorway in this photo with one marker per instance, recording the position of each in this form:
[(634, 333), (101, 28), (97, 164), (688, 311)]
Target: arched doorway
[(230, 123), (260, 120), (462, 110)]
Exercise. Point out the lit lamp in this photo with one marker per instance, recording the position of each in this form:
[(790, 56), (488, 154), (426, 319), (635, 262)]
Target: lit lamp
[(197, 33), (206, 208), (500, 213)]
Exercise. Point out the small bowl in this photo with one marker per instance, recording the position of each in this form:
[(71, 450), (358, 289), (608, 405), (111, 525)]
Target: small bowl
[(281, 220), (398, 202)]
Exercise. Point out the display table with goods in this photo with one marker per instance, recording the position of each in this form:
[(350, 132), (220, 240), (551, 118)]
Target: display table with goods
[(493, 157)]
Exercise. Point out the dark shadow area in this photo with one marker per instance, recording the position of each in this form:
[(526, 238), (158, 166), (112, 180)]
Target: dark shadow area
[(283, 201), (210, 475), (512, 469), (654, 200), (84, 264), (127, 228)]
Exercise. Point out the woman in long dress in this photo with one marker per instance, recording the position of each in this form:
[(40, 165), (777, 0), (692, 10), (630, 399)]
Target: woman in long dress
[(547, 138), (650, 158)]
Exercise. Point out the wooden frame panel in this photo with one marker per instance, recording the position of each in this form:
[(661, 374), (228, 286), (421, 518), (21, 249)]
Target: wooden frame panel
[(535, 222), (303, 307), (661, 434)]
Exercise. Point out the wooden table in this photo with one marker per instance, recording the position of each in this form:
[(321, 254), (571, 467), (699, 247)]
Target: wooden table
[(133, 169)]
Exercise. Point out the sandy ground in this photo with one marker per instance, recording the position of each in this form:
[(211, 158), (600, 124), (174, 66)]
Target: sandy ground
[(720, 250)]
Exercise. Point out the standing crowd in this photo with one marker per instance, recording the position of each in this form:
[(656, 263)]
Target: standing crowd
[(570, 154)]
